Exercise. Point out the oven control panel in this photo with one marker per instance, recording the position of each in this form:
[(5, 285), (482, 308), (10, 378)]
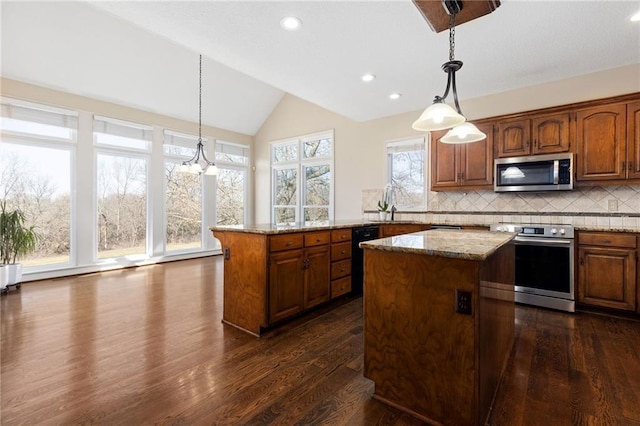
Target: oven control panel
[(531, 230)]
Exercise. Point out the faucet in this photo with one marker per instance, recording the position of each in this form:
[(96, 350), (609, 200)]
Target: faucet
[(393, 211)]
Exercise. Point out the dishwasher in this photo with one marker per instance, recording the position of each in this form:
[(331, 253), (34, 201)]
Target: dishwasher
[(359, 234)]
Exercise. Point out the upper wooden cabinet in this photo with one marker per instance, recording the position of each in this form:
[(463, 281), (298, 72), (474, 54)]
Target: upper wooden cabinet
[(537, 134), (462, 166), (602, 147), (633, 140)]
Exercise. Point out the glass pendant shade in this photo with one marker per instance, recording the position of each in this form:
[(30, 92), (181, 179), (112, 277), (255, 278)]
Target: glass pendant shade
[(211, 170), (463, 133), (438, 116)]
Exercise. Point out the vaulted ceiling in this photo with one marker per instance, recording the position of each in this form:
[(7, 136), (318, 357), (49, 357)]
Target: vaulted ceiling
[(145, 54)]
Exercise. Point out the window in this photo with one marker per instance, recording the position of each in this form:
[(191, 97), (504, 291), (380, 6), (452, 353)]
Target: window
[(36, 154), (183, 194), (231, 190), (406, 167), (122, 152), (302, 179)]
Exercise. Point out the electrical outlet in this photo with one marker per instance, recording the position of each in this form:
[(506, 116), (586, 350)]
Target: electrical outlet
[(613, 205), (463, 302)]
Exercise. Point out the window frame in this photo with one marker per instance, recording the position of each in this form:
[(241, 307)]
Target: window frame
[(300, 165), (50, 142), (394, 144)]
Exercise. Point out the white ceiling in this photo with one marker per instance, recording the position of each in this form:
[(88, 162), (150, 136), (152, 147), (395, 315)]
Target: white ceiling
[(145, 54)]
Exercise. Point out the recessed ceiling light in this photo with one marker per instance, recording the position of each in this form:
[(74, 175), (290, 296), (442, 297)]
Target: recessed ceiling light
[(368, 77), (636, 17), (290, 23), (395, 96)]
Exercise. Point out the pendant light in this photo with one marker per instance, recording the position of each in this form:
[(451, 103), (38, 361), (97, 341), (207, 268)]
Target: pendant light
[(194, 165), (440, 116)]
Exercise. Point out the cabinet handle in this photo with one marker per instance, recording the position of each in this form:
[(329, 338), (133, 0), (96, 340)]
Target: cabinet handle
[(288, 243), (342, 270), (227, 253), (606, 241), (317, 240), (535, 142), (343, 252), (581, 261), (624, 165), (630, 166)]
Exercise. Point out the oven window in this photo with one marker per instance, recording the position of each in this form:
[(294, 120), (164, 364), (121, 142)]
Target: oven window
[(543, 267)]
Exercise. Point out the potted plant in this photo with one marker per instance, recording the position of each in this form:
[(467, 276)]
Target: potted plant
[(383, 204), (16, 240)]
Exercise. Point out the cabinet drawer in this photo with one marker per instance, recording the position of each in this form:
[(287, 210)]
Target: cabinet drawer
[(340, 269), (605, 239), (340, 251), (285, 242), (341, 235), (340, 287), (316, 238), (392, 230)]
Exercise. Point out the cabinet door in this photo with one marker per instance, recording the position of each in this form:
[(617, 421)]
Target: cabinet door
[(550, 133), (514, 138), (317, 282), (607, 277), (286, 284), (633, 140), (445, 171), (476, 160), (600, 136)]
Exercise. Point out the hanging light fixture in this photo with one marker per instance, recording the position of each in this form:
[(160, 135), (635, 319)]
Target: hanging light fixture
[(440, 116), (194, 165)]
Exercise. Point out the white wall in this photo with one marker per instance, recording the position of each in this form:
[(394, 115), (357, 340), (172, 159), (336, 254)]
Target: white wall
[(359, 156)]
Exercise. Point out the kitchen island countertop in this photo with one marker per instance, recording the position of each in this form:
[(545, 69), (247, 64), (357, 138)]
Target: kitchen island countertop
[(460, 244)]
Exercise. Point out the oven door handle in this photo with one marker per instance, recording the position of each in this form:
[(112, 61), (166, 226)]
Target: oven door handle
[(543, 241)]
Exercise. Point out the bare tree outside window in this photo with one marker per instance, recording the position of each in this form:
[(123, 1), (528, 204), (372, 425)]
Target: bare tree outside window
[(407, 175), (311, 173), (36, 181), (183, 208), (230, 197), (122, 205)]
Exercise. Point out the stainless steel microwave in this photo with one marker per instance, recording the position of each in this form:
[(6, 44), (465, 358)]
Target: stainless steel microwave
[(537, 173)]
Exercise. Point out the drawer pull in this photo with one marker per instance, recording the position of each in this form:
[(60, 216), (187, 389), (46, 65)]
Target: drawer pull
[(318, 240), (343, 252), (342, 270), (288, 243), (606, 241)]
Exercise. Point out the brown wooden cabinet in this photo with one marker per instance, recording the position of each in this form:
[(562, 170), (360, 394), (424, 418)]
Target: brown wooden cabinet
[(340, 262), (286, 292), (607, 270), (462, 166), (633, 140), (317, 271), (602, 146), (390, 230), (537, 134)]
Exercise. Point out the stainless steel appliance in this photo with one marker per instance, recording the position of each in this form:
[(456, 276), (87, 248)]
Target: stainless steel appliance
[(552, 172), (544, 264)]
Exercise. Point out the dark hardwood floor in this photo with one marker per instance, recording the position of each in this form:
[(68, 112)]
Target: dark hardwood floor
[(146, 345)]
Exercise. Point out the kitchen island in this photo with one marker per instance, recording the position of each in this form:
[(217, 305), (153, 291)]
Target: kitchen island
[(438, 321), (273, 273)]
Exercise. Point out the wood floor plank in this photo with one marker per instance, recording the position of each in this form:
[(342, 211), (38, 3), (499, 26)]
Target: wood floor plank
[(146, 346)]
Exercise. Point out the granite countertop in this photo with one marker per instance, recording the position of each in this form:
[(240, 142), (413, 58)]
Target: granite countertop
[(464, 244), (270, 228)]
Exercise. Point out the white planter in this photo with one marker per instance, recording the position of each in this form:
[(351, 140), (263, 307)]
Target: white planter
[(4, 276), (383, 215), (14, 273)]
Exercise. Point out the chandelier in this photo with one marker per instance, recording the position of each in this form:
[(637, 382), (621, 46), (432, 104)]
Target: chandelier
[(440, 116), (199, 163)]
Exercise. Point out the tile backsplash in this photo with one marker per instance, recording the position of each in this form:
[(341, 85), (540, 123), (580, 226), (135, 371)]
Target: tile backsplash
[(618, 199), (597, 199)]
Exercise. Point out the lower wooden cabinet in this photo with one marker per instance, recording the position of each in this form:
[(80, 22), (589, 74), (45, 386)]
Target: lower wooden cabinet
[(390, 230), (607, 270), (286, 292), (317, 286)]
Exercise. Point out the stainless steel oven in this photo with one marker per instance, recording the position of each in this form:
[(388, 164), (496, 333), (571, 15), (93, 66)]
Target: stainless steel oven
[(544, 264)]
